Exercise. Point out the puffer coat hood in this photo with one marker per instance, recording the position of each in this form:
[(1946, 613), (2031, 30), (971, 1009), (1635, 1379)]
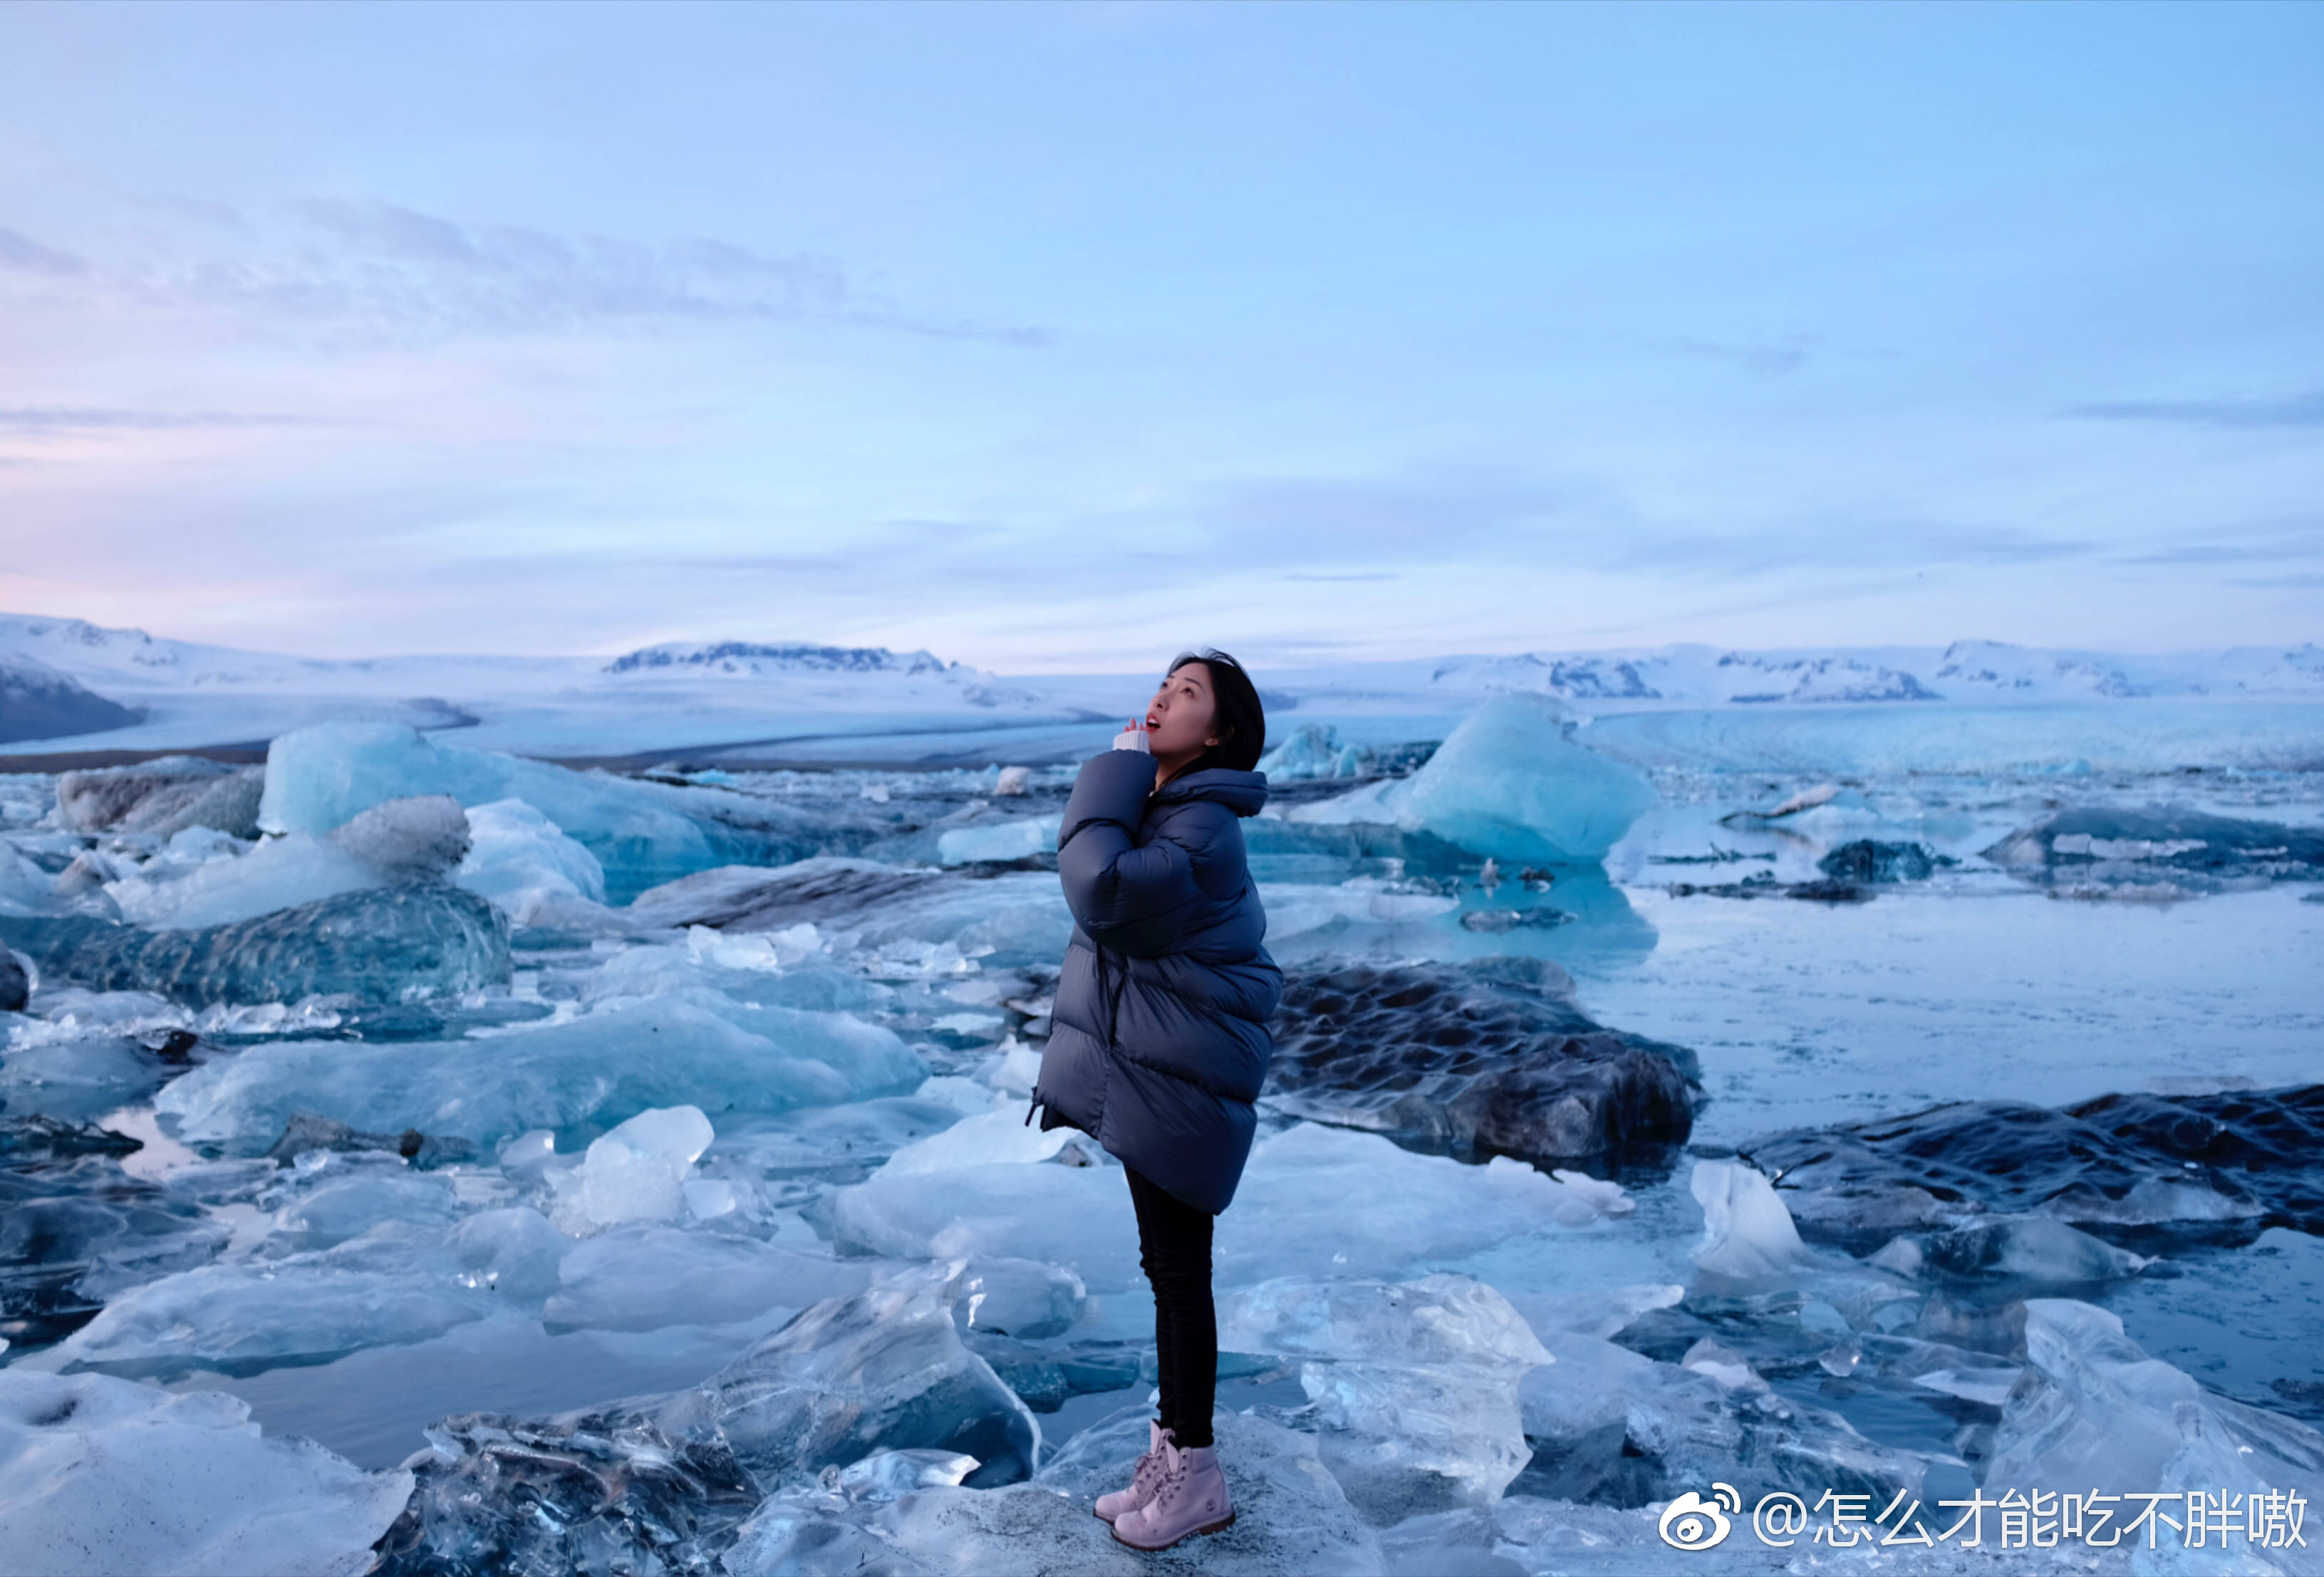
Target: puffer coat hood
[(1158, 1041)]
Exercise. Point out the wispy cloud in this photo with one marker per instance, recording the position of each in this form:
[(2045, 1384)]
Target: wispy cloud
[(62, 419), (1772, 358), (1375, 524), (2296, 541), (2284, 410), (378, 271), (20, 252)]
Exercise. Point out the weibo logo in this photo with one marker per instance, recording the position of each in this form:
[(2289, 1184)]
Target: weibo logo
[(1690, 1523)]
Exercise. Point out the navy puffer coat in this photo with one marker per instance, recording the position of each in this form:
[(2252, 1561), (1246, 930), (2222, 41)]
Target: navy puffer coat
[(1158, 1041)]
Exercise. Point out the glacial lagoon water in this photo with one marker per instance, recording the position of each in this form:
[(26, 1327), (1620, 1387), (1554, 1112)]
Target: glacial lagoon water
[(694, 1204)]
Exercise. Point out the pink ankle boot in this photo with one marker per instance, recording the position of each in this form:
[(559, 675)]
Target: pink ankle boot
[(1143, 1482), (1193, 1498)]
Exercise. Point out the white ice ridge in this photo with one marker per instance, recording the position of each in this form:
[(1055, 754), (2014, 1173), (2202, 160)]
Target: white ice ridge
[(1005, 840), (1747, 1231), (103, 1476), (1510, 782), (636, 1173), (202, 877), (985, 1193), (321, 777), (520, 860), (686, 1046)]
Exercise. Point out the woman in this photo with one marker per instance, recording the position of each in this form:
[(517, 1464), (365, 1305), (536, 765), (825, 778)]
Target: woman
[(1158, 1041)]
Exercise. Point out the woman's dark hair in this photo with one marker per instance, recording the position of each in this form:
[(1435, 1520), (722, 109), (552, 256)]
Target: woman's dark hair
[(1242, 722)]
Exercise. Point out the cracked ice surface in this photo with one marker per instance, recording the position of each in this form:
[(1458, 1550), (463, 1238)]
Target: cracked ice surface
[(709, 1221)]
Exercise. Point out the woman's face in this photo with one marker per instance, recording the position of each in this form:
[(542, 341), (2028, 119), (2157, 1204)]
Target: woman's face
[(1180, 722)]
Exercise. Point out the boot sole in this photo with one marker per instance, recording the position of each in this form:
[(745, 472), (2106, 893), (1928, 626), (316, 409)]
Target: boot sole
[(1219, 1527)]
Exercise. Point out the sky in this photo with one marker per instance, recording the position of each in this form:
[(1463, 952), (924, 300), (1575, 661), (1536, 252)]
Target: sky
[(1050, 337)]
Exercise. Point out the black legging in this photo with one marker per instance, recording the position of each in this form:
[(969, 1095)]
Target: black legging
[(1174, 1246)]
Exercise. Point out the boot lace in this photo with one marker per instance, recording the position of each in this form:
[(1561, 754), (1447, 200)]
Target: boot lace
[(1170, 1468)]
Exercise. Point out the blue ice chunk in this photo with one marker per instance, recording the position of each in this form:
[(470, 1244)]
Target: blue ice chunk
[(520, 861), (579, 1077), (385, 945), (100, 1475), (398, 1282), (1512, 781), (1314, 750), (642, 832)]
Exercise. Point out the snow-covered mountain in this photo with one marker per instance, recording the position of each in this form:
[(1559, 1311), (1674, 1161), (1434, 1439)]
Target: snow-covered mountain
[(688, 694), (36, 702), (1979, 672), (751, 659)]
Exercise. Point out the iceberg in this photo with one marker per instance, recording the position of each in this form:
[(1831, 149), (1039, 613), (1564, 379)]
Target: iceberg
[(2164, 851), (371, 1260), (2102, 1412), (1019, 916), (1315, 751), (1291, 1516), (2024, 1250), (385, 945), (635, 1173), (1019, 838), (643, 1278), (1077, 1217), (1611, 1427), (644, 1487), (226, 887), (1413, 1386), (1510, 782), (884, 1368), (79, 1077), (578, 1077), (1020, 1298), (855, 1400), (100, 1476), (1868, 859), (322, 777), (203, 878), (1000, 1200), (1291, 1213), (1747, 1232), (518, 859)]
